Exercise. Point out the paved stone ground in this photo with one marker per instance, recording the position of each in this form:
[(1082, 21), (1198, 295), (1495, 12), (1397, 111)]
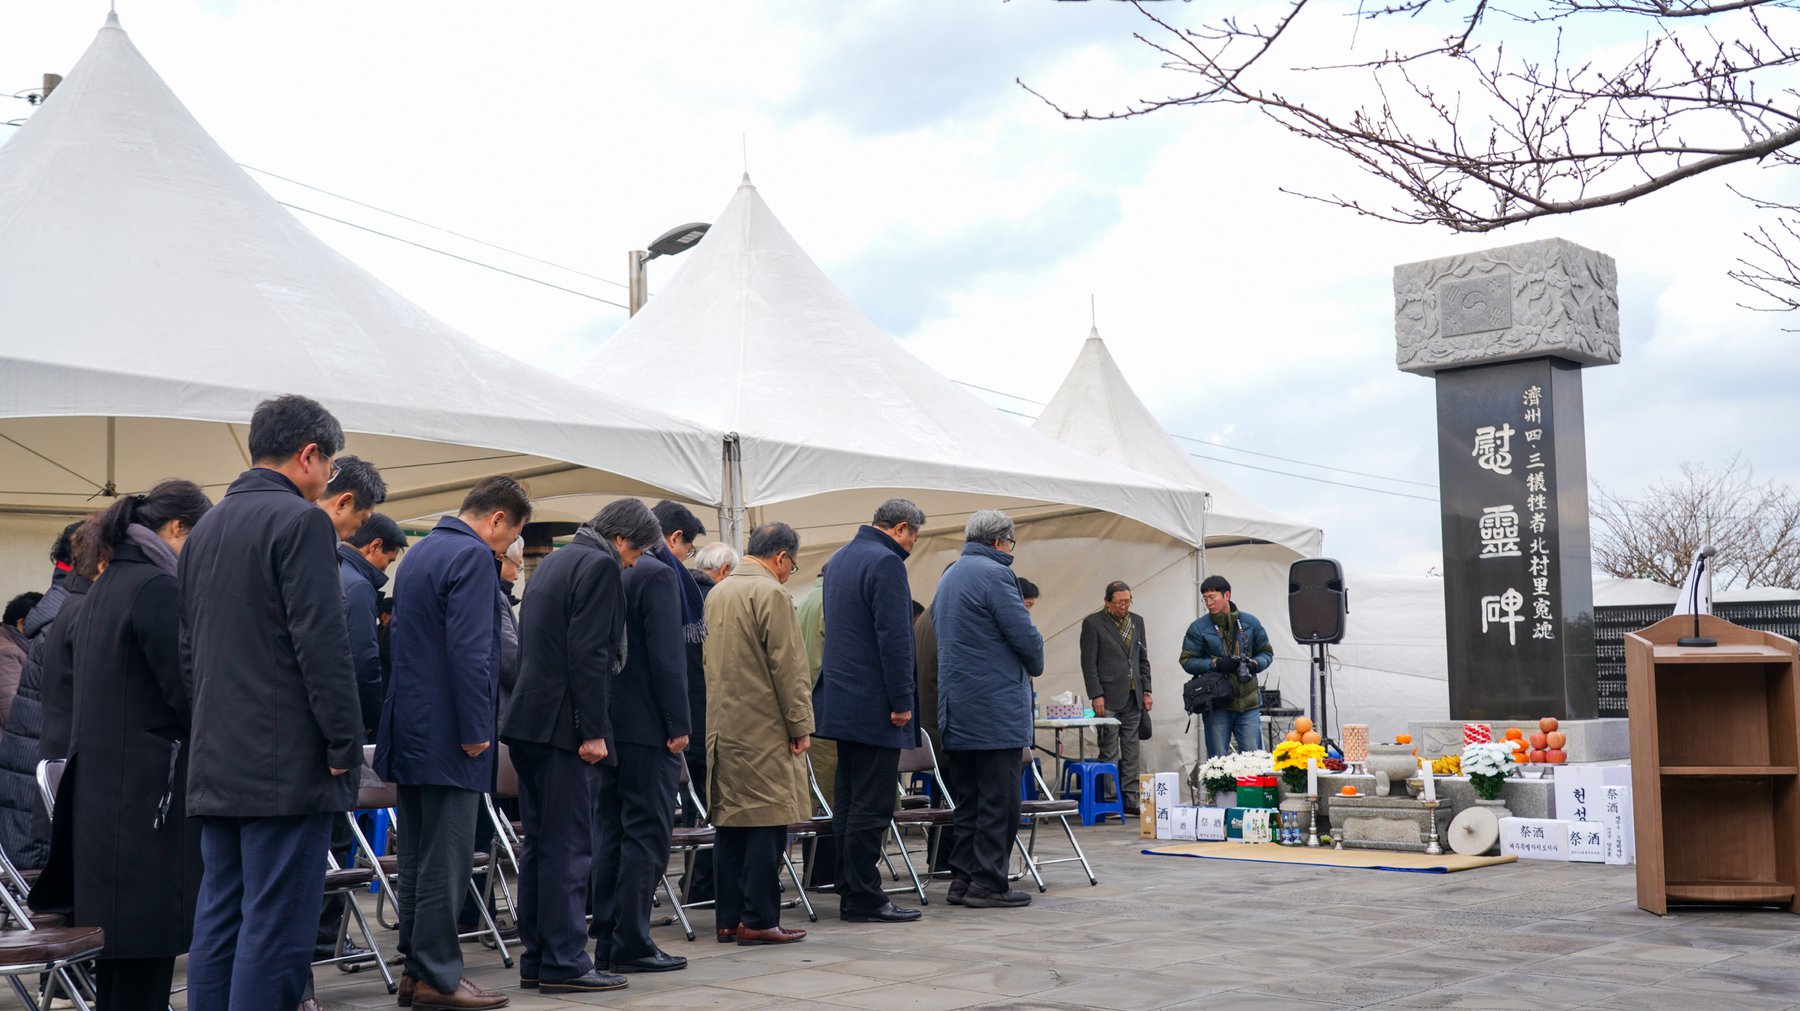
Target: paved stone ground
[(1166, 932)]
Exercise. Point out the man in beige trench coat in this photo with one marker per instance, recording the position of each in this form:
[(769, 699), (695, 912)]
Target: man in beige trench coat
[(759, 722)]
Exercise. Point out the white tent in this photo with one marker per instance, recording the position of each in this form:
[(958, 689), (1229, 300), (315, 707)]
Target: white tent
[(829, 414), (1096, 410), (151, 294)]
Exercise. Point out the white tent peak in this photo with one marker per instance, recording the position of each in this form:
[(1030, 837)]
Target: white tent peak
[(827, 402), (1096, 410), (145, 275), (112, 20)]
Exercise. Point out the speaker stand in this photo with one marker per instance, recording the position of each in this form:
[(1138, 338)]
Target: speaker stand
[(1317, 690)]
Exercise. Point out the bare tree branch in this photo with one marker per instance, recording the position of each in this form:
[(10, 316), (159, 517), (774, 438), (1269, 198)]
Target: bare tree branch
[(1474, 137), (1754, 528)]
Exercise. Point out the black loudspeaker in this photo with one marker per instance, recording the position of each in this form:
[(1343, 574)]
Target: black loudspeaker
[(1317, 601)]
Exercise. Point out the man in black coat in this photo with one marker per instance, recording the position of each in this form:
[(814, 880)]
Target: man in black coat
[(556, 729), (1115, 664), (276, 721), (865, 699), (636, 810)]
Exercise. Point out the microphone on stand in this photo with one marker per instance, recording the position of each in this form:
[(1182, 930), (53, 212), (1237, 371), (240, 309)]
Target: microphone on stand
[(1699, 569)]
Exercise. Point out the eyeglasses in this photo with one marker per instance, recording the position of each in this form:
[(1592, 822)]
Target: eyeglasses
[(794, 563)]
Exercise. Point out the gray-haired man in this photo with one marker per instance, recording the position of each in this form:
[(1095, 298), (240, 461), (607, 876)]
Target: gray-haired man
[(988, 652)]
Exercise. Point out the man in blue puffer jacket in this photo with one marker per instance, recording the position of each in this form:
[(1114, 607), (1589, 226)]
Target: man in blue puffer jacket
[(988, 652), (1233, 643)]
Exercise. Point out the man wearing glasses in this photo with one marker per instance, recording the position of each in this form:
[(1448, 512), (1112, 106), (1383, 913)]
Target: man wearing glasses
[(1233, 643), (759, 722)]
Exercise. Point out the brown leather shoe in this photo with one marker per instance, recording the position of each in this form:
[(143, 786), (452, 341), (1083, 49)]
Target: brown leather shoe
[(774, 935), (728, 935), (466, 995), (408, 983)]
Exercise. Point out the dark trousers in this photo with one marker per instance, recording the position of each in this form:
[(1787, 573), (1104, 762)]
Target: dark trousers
[(135, 984), (985, 786), (258, 911), (437, 850), (633, 819), (865, 792), (1119, 745), (556, 799), (697, 884), (748, 861)]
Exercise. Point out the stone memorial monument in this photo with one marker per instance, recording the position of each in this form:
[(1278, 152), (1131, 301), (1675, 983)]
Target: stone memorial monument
[(1506, 333)]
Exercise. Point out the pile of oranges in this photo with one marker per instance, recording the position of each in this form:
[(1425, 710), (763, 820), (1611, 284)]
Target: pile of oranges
[(1545, 745), (1303, 732)]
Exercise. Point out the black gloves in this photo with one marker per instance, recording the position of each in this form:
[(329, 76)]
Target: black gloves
[(1227, 664)]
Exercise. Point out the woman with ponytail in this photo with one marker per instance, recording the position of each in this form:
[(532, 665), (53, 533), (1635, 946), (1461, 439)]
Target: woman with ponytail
[(123, 856)]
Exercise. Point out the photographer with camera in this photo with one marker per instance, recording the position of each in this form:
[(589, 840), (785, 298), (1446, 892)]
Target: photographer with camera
[(1224, 650)]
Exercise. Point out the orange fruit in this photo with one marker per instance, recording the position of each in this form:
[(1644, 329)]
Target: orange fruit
[(1294, 735), (1303, 724), (1514, 734), (1402, 738), (1348, 791), (1310, 737)]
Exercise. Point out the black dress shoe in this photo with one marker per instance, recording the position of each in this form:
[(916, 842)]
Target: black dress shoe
[(958, 889), (888, 913), (661, 961), (997, 900), (592, 981)]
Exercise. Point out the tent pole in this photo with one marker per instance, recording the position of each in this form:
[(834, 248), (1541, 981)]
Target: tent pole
[(112, 445), (731, 509)]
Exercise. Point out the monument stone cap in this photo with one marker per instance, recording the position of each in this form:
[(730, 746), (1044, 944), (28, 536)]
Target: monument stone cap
[(1549, 298)]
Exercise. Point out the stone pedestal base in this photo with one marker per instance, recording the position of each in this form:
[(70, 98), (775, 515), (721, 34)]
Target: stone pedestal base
[(1589, 740), (1528, 798), (1385, 823)]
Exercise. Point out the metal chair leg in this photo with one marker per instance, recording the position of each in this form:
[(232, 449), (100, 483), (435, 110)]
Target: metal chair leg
[(800, 889), (488, 918), (906, 858), (362, 924), (681, 916)]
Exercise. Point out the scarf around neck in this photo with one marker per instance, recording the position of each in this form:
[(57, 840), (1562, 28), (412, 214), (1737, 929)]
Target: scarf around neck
[(1122, 624), (693, 605), (159, 552)]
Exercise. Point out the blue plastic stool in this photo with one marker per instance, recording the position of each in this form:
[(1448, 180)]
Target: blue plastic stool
[(1087, 776)]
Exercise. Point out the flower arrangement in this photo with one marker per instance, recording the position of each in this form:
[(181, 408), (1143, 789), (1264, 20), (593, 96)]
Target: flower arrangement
[(1290, 760), (1221, 772), (1487, 764)]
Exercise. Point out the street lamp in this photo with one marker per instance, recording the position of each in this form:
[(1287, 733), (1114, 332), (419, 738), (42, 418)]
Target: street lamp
[(675, 240)]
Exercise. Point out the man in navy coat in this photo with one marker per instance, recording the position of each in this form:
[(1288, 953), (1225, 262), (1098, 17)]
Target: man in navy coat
[(635, 815), (988, 652), (864, 699), (437, 725)]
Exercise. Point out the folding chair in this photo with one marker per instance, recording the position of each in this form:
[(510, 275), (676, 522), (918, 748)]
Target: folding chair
[(49, 777), (686, 840), (922, 759), (49, 952), (1036, 811), (372, 794), (345, 882), (699, 837)]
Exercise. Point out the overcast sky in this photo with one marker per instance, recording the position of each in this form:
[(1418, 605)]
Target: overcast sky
[(963, 216)]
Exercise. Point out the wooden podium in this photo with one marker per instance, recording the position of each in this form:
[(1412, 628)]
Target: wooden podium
[(1715, 764)]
